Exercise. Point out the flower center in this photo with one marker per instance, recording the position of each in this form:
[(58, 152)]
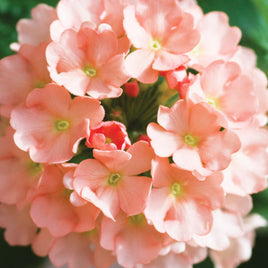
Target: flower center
[(89, 71), (35, 168), (176, 189), (137, 219), (190, 140), (40, 84), (212, 102), (62, 125), (113, 179), (108, 140), (155, 45)]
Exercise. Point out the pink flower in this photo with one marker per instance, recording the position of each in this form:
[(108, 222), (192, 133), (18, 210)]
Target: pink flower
[(29, 67), (162, 34), (20, 229), (193, 137), (71, 15), (19, 174), (36, 30), (218, 40), (227, 89), (248, 170), (240, 248), (51, 208), (51, 125), (132, 89), (111, 181), (109, 135), (179, 203), (88, 62), (132, 239)]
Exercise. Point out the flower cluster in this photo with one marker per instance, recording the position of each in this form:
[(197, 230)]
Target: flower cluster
[(132, 131)]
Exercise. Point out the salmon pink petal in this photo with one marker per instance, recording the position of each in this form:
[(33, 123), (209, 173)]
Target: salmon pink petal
[(161, 172), (99, 89), (140, 161), (42, 243), (20, 229), (137, 245), (165, 61), (189, 159), (102, 46), (106, 199), (113, 160), (174, 119), (241, 102), (159, 203), (14, 91), (163, 142), (178, 228), (216, 75), (221, 145), (158, 17), (91, 173), (73, 250), (36, 30), (52, 213), (183, 38), (136, 34), (140, 61), (129, 189)]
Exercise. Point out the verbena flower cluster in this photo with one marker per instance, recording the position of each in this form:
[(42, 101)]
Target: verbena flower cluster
[(132, 131)]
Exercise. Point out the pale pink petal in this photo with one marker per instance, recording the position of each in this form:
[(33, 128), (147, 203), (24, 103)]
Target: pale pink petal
[(129, 188), (36, 30), (139, 62), (161, 172), (216, 150), (137, 35), (113, 160), (176, 223), (164, 143), (174, 119), (165, 61), (91, 173), (159, 203), (140, 161), (183, 38)]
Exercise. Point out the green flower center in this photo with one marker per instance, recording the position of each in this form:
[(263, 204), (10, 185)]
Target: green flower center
[(176, 189), (89, 71), (108, 140), (35, 168), (113, 179), (190, 140), (155, 45), (62, 125), (137, 219)]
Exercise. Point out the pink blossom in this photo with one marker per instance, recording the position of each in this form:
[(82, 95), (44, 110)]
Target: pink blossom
[(179, 200), (226, 226), (51, 208), (109, 135), (111, 181), (240, 248), (19, 174), (132, 239), (36, 30), (162, 33), (227, 89), (79, 251), (248, 170), (20, 229), (218, 40), (192, 136), (29, 67), (51, 125), (88, 62)]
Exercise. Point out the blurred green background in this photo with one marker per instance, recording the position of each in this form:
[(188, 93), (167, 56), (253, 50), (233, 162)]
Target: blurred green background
[(252, 18)]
